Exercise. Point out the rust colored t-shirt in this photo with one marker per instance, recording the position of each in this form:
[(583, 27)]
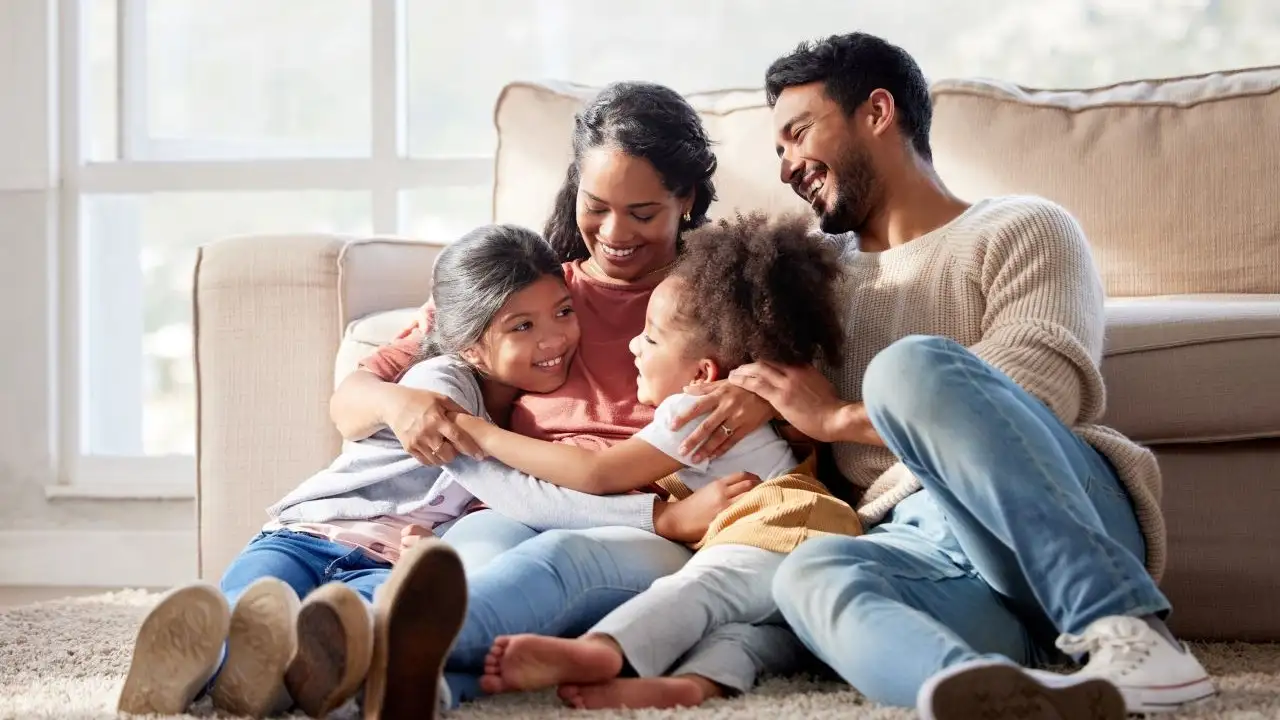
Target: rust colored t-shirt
[(597, 406)]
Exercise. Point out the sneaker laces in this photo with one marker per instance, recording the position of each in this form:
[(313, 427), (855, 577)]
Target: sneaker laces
[(1114, 648)]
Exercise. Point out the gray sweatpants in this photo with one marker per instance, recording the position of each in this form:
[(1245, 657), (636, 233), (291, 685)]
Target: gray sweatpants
[(720, 605)]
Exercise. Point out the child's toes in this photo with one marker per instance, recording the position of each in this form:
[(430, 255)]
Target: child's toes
[(571, 695), (492, 684), (499, 646)]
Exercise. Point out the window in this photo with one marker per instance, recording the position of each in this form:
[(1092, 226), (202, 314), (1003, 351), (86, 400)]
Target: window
[(190, 120)]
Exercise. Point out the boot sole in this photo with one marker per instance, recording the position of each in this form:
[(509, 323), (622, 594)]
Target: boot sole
[(420, 610), (335, 646), (1004, 691), (260, 645), (176, 651)]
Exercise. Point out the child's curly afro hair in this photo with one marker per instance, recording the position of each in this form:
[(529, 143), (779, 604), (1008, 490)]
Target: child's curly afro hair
[(757, 288)]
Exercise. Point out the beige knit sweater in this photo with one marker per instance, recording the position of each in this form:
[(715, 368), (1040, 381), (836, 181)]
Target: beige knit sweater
[(1013, 280)]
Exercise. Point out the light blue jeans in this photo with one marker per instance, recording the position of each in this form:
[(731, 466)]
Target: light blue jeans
[(562, 582), (305, 562), (1022, 531)]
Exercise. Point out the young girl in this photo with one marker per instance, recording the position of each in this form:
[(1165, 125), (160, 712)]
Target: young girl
[(504, 324), (750, 290)]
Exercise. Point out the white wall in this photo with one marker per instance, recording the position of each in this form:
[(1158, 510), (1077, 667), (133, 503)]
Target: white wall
[(58, 541)]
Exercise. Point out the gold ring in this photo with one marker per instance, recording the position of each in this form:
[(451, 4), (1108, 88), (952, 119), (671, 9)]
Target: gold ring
[(726, 430)]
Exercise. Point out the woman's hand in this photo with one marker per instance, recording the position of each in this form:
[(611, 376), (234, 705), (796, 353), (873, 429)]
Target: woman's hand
[(735, 412), (687, 521), (421, 423), (422, 321)]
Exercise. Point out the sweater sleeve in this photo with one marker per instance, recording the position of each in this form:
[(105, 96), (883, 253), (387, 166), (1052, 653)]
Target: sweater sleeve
[(1044, 324), (543, 506)]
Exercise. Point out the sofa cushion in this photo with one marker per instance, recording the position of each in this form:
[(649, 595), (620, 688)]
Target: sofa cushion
[(1170, 178), (535, 122), (1173, 180), (366, 335), (1193, 368), (1178, 369)]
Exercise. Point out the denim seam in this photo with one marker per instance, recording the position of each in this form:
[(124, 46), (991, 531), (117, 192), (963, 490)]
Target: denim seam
[(333, 568), (1114, 567)]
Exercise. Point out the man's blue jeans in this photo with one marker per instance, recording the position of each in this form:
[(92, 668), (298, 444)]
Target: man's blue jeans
[(1022, 531)]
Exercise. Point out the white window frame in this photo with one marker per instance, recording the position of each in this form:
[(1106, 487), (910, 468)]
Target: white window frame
[(146, 166)]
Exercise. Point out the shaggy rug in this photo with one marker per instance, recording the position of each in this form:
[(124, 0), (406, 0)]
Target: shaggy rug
[(67, 659)]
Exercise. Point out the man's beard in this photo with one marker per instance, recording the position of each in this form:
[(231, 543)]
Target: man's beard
[(857, 193)]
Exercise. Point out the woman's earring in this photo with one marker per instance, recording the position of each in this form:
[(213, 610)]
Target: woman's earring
[(688, 217)]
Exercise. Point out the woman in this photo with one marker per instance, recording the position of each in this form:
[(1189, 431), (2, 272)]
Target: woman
[(640, 177)]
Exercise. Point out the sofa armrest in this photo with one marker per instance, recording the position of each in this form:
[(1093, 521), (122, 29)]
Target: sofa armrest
[(269, 313)]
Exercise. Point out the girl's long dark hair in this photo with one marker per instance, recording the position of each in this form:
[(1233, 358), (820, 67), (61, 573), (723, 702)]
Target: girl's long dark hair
[(474, 277)]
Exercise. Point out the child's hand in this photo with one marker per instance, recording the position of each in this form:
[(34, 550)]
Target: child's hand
[(687, 521), (479, 430), (411, 534)]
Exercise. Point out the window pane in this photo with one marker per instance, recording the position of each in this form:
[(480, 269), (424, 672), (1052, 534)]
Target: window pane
[(442, 214), (258, 78), (715, 44), (137, 379), (100, 111)]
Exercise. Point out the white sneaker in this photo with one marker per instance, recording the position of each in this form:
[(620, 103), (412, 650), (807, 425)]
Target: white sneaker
[(993, 689), (1153, 674)]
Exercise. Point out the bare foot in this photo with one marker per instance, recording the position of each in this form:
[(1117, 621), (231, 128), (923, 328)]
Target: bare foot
[(635, 693), (532, 662)]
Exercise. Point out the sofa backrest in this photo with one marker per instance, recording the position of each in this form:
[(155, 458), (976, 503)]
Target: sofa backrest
[(1174, 181)]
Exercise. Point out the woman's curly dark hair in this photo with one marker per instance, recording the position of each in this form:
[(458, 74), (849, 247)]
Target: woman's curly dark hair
[(761, 289)]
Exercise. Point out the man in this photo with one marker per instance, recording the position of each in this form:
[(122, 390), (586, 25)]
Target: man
[(966, 410)]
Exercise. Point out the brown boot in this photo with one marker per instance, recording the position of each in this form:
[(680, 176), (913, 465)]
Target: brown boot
[(260, 646), (418, 614), (335, 643)]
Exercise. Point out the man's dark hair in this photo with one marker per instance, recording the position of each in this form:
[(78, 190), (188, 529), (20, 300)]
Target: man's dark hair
[(760, 289), (850, 67)]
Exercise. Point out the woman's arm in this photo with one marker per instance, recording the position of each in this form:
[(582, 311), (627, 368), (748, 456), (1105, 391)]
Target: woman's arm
[(629, 465), (366, 398), (362, 403)]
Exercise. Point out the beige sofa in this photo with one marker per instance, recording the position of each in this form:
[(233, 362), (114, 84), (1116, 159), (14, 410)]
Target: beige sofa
[(1175, 183)]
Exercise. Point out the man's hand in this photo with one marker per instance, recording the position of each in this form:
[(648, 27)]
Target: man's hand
[(421, 423), (801, 395), (687, 521), (734, 414)]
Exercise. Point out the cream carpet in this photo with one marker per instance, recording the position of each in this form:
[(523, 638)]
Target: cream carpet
[(67, 659)]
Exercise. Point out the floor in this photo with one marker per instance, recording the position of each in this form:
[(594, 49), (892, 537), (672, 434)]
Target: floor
[(66, 659), (12, 596)]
